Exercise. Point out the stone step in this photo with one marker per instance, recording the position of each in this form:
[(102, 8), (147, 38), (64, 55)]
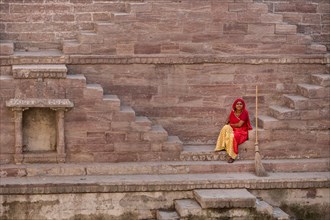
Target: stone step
[(187, 207), (190, 209), (268, 122), (225, 198), (167, 215), (321, 79), (126, 114), (93, 91), (313, 91), (156, 183), (283, 112), (165, 167), (112, 102), (156, 134), (75, 81), (6, 48), (296, 101), (141, 123), (265, 208), (173, 143), (287, 115), (39, 71), (207, 153)]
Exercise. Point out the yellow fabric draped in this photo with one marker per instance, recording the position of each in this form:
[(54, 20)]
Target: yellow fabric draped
[(226, 141)]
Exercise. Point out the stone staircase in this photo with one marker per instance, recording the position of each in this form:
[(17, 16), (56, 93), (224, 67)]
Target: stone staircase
[(302, 116), (310, 102), (222, 203), (98, 128)]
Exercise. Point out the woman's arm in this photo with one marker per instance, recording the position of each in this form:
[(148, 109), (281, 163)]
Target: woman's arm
[(238, 125), (227, 120)]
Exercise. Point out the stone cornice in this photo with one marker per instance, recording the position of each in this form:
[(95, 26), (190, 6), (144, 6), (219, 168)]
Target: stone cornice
[(166, 59), (40, 103)]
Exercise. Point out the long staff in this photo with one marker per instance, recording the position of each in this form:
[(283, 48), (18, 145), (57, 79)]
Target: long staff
[(259, 168)]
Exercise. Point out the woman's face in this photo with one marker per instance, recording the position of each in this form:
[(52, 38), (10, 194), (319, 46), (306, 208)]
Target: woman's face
[(239, 105)]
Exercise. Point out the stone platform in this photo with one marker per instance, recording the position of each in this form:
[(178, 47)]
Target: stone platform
[(154, 182), (160, 190)]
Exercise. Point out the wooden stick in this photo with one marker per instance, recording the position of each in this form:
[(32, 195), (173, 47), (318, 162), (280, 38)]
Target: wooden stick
[(256, 115), (259, 168)]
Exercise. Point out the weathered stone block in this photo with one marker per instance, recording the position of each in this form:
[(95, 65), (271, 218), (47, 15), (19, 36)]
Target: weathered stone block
[(234, 28), (187, 207), (6, 48), (227, 198), (285, 29), (146, 48), (131, 147)]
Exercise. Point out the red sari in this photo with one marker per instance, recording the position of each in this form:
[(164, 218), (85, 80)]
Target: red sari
[(230, 137), (241, 134)]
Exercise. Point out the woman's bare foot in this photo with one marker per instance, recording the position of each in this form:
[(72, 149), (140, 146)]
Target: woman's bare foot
[(230, 160)]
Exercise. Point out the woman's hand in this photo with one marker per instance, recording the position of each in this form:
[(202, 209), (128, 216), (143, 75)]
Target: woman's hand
[(237, 125)]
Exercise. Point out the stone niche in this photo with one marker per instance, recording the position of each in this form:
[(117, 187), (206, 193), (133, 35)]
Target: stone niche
[(39, 129)]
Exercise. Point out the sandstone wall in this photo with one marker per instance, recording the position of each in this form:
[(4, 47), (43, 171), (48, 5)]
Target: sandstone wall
[(179, 62), (167, 26)]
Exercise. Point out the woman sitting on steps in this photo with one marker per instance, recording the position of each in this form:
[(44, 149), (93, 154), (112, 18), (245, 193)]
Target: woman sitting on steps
[(235, 131)]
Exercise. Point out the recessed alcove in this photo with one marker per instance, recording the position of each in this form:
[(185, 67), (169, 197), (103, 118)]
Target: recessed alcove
[(39, 129)]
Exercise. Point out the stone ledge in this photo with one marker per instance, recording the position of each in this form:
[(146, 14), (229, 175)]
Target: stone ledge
[(39, 71), (152, 183), (168, 59), (160, 168)]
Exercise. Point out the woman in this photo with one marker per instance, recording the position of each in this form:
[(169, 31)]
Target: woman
[(235, 131)]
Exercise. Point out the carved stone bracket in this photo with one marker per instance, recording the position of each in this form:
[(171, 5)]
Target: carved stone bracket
[(58, 105)]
